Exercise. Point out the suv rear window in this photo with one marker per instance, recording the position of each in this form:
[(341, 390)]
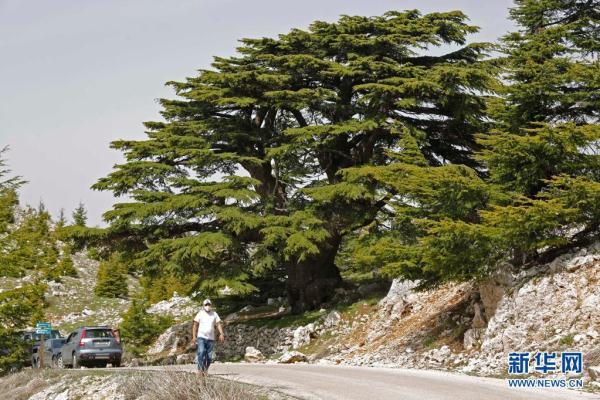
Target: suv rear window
[(98, 333), (54, 334)]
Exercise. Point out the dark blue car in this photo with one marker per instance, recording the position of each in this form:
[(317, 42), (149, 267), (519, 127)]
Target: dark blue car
[(51, 351), (34, 338)]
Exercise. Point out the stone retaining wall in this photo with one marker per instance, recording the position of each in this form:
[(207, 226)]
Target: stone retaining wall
[(176, 341)]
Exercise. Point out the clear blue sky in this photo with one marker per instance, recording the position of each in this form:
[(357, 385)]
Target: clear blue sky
[(77, 74)]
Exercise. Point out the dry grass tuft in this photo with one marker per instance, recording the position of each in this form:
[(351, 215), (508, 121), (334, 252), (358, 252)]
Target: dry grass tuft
[(24, 384), (172, 385), (133, 385)]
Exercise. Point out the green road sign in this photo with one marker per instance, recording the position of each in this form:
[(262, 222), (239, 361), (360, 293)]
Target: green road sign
[(43, 328)]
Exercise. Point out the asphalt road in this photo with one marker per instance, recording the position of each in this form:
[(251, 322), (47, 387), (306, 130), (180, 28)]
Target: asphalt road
[(309, 381)]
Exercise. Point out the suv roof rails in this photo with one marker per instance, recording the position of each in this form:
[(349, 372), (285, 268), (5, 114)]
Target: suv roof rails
[(94, 326)]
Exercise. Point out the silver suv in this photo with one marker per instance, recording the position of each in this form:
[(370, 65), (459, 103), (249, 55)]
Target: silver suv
[(91, 345)]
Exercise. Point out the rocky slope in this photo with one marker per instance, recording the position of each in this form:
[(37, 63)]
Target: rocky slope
[(73, 302), (471, 327), (468, 327)]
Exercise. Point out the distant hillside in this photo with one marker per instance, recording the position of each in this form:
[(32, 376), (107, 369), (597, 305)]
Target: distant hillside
[(72, 301)]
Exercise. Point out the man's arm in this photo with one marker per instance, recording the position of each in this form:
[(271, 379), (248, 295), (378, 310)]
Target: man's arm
[(194, 333), (221, 334)]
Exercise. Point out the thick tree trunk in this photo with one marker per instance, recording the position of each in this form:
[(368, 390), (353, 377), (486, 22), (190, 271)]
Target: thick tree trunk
[(312, 281)]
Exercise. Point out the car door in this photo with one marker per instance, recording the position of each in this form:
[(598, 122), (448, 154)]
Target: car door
[(67, 349), (48, 352), (57, 347)]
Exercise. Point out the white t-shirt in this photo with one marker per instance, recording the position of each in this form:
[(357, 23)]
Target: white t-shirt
[(206, 324)]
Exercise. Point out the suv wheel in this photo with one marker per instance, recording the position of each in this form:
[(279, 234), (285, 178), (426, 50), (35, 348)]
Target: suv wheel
[(116, 364), (60, 362), (75, 361)]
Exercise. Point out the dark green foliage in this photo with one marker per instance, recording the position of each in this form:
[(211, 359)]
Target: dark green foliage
[(545, 151), (61, 221), (112, 278), (246, 174), (19, 308), (65, 266), (430, 228), (353, 135), (522, 163), (449, 191), (80, 215), (580, 193), (31, 246), (540, 164), (552, 63), (162, 286), (7, 183), (8, 201), (456, 250), (28, 243), (8, 194), (27, 246), (139, 329), (19, 350)]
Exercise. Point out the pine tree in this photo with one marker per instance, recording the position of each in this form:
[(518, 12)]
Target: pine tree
[(19, 308), (548, 123), (64, 267), (22, 306), (162, 284), (30, 247), (8, 194), (551, 64), (140, 329), (80, 215), (8, 183), (523, 163), (548, 133), (431, 228), (279, 123), (112, 278), (540, 164), (61, 221)]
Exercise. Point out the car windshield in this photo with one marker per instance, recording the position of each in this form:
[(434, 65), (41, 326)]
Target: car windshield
[(98, 333), (57, 344), (54, 334)]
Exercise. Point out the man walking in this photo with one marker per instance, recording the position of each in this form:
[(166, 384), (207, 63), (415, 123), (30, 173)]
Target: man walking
[(203, 330)]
